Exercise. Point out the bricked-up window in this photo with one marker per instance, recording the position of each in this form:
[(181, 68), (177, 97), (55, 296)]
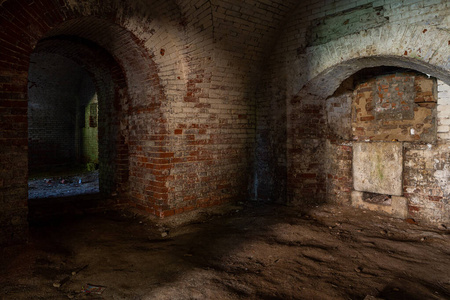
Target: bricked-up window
[(93, 109), (398, 106)]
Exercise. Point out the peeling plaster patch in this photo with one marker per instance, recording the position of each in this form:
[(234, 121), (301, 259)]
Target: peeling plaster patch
[(442, 179)]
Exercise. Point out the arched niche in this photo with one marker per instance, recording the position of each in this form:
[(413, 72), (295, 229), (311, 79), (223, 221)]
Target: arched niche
[(321, 155)]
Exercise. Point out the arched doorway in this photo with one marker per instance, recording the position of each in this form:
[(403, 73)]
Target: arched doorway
[(124, 76), (62, 128), (83, 88)]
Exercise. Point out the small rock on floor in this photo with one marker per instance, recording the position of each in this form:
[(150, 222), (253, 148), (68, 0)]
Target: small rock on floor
[(442, 227)]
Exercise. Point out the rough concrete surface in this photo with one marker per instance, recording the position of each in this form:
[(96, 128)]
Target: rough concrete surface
[(263, 252)]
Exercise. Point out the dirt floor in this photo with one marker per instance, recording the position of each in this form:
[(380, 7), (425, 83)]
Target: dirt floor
[(251, 252)]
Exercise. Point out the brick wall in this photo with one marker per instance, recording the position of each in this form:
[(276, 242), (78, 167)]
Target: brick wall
[(426, 170), (177, 131), (425, 174), (339, 182), (425, 181), (323, 43), (425, 160), (396, 106), (307, 148)]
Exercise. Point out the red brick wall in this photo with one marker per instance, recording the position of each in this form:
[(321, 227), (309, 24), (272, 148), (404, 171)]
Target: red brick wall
[(339, 171), (320, 142), (307, 150), (176, 97)]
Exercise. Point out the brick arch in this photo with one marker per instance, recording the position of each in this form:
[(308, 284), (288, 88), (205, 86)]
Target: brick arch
[(423, 48), (147, 53), (138, 66), (141, 115), (158, 67), (158, 24), (154, 26)]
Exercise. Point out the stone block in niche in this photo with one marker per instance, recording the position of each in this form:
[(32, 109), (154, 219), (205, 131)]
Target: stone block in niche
[(378, 167)]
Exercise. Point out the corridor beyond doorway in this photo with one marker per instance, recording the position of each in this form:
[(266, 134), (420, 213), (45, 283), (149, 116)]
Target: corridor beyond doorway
[(63, 129)]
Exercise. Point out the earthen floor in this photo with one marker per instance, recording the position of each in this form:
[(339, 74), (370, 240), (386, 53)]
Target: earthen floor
[(247, 252)]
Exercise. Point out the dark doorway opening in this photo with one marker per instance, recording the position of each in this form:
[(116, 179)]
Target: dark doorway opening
[(62, 129)]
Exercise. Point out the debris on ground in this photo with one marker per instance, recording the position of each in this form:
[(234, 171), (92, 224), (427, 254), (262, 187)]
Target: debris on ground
[(93, 289), (76, 184), (411, 221)]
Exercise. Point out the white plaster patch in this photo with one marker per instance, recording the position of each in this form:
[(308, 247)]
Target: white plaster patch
[(442, 179)]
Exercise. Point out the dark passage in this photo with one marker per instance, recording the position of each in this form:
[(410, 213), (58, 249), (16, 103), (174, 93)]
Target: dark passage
[(63, 128)]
